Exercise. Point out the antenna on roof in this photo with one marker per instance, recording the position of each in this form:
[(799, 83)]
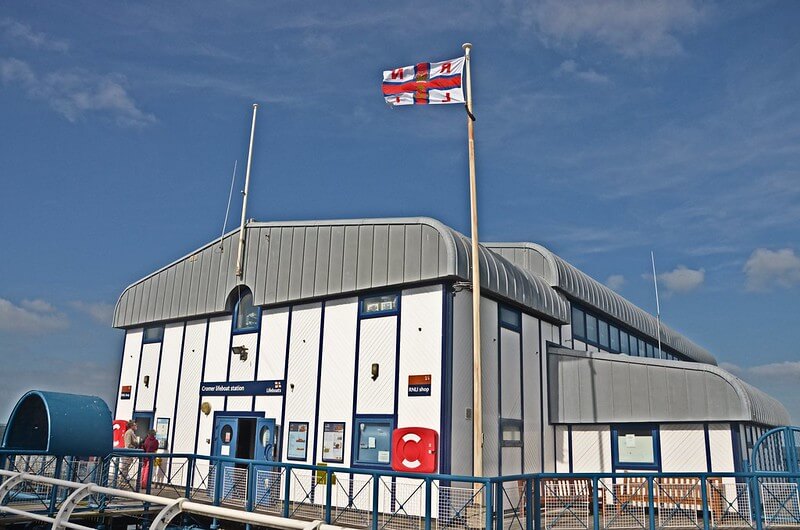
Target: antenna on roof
[(240, 258), (658, 305), (228, 208)]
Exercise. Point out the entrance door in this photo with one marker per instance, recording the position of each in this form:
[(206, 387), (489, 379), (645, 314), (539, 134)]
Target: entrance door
[(265, 440)]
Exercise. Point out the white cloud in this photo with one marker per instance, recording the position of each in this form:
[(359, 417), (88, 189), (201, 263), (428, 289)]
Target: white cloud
[(571, 68), (31, 316), (74, 93), (630, 27), (766, 269), (20, 33), (786, 369), (682, 279), (99, 311), (615, 281)]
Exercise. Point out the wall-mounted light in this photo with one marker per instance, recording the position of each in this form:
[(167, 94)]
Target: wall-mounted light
[(375, 371), (147, 381), (241, 351), (205, 408)]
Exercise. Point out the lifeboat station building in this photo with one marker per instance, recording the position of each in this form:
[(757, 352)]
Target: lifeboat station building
[(339, 332)]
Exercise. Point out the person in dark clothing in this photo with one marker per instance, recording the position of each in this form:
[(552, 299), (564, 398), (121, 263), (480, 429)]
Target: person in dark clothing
[(150, 445)]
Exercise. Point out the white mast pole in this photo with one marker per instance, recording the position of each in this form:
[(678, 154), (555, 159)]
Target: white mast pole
[(658, 305), (477, 407), (240, 258)]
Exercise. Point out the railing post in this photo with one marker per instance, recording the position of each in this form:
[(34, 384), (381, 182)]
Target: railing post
[(328, 494), (251, 487), (189, 477), (499, 505), (704, 501), (528, 504), (537, 503), (428, 503), (756, 496), (54, 491), (287, 489), (219, 471), (488, 488), (651, 513), (596, 503), (375, 488)]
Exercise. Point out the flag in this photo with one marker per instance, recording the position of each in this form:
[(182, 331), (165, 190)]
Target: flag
[(425, 84)]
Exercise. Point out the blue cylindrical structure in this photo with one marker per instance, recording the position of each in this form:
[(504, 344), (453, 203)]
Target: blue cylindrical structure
[(60, 424)]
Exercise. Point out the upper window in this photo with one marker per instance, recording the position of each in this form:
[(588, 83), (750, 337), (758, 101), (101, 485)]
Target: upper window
[(614, 336), (591, 329), (578, 326), (603, 327), (153, 334), (245, 314), (379, 305), (510, 318), (623, 342), (635, 446)]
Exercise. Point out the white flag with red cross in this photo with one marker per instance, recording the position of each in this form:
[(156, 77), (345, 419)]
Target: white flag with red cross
[(425, 84)]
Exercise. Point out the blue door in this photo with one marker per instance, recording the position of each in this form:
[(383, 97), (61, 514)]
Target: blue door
[(268, 478), (265, 440), (226, 431)]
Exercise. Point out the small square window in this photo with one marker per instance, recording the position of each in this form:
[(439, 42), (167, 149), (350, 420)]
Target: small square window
[(511, 431), (510, 318), (379, 305), (153, 334)]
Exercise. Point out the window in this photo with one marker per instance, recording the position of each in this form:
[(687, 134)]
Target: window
[(624, 347), (373, 438), (510, 318), (603, 328), (635, 446), (614, 338), (591, 329), (511, 433), (245, 314), (153, 334), (634, 345), (379, 305), (651, 352), (642, 349), (578, 324)]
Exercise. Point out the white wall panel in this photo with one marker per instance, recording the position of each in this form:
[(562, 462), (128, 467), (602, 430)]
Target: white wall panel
[(377, 344), (721, 444), (301, 376), (579, 345), (130, 367), (145, 395), (562, 449), (337, 376), (461, 437), (489, 387), (168, 376), (683, 448), (420, 354), (272, 358), (549, 334), (591, 449), (243, 370), (218, 349), (530, 371), (511, 398), (189, 388)]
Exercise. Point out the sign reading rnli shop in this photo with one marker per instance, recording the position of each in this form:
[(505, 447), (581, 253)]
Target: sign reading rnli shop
[(243, 388)]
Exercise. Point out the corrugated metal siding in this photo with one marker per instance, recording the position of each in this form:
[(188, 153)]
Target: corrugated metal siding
[(290, 262), (606, 388), (594, 294)]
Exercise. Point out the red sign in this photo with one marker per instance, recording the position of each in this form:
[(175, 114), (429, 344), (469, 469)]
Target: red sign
[(414, 449), (118, 428), (125, 392)]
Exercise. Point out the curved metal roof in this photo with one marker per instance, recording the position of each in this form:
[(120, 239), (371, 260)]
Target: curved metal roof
[(293, 261), (595, 387), (580, 286)]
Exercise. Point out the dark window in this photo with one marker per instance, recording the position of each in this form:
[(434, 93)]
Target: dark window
[(634, 342), (650, 350), (591, 329), (511, 433), (373, 440), (614, 338), (385, 304), (623, 342), (642, 349), (245, 314), (154, 334), (635, 446), (603, 328), (510, 318), (578, 324)]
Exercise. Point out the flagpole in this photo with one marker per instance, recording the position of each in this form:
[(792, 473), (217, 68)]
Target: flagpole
[(658, 305), (240, 257), (477, 407)]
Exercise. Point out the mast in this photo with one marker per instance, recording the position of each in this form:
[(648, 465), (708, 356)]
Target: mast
[(240, 257)]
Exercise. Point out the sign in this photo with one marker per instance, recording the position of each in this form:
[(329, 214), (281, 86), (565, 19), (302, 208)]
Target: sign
[(162, 432), (419, 385), (298, 440), (242, 388), (322, 475), (415, 450), (125, 393), (333, 442)]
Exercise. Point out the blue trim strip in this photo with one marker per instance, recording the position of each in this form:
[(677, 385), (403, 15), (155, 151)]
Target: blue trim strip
[(707, 438), (446, 412), (158, 375), (282, 427), (135, 387), (569, 445), (319, 382)]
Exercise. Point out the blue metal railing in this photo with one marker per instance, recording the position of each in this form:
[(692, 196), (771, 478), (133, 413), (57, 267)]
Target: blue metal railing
[(647, 500)]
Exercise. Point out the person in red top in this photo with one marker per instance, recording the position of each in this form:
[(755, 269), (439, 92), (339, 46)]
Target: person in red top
[(150, 445)]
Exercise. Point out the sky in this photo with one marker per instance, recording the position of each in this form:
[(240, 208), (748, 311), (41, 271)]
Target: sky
[(605, 130)]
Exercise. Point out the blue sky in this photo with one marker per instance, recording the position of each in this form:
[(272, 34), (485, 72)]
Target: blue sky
[(604, 131)]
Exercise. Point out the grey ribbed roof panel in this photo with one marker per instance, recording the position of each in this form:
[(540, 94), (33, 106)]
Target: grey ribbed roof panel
[(580, 286), (590, 387), (293, 261)]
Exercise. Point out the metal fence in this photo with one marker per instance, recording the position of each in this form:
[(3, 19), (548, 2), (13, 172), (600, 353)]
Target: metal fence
[(384, 500)]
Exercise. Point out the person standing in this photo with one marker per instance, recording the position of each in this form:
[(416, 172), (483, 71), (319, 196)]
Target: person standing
[(150, 445), (129, 441)]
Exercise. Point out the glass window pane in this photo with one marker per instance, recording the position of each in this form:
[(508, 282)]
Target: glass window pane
[(651, 352), (511, 433), (634, 342), (623, 342), (614, 338), (578, 324), (509, 317), (635, 446), (379, 304), (603, 328), (154, 334), (246, 313), (642, 349), (591, 329)]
